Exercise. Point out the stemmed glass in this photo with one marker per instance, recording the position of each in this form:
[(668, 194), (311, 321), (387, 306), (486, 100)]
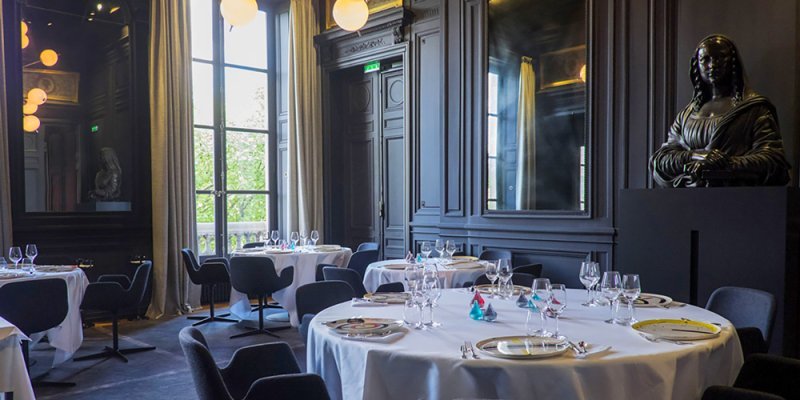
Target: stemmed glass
[(631, 289), (491, 273), (303, 238), (450, 248), (540, 296), (31, 251), (556, 303), (504, 272), (275, 235), (425, 249), (611, 287), (440, 247), (314, 237), (589, 276), (433, 292), (294, 237), (3, 264), (15, 254)]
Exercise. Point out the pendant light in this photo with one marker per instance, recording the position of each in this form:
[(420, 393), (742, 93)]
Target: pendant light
[(30, 123), (350, 15), (239, 12)]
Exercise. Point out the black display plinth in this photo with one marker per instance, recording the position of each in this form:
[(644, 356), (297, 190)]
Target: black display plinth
[(105, 206), (687, 242)]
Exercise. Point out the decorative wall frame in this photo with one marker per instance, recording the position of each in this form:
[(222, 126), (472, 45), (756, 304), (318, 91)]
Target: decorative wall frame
[(562, 67), (374, 6), (60, 86)]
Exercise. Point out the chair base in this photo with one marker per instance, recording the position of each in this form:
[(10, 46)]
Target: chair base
[(39, 382), (211, 318), (109, 352), (254, 332)]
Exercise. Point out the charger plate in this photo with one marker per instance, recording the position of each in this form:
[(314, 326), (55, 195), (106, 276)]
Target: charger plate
[(389, 298), (677, 329), (649, 300), (522, 347), (486, 289), (465, 258), (363, 325), (396, 266)]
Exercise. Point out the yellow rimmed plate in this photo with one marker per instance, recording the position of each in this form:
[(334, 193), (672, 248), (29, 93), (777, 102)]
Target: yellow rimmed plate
[(486, 289), (363, 325), (522, 347), (465, 258), (388, 298), (648, 300), (677, 329)]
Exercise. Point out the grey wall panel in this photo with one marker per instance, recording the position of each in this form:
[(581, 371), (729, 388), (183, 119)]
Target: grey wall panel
[(429, 122)]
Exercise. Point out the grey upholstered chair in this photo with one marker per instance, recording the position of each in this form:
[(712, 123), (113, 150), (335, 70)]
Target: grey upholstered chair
[(532, 269), (256, 276), (520, 279), (492, 255), (762, 377), (368, 246), (751, 311), (213, 272), (317, 296), (361, 260), (264, 371), (354, 280), (253, 245)]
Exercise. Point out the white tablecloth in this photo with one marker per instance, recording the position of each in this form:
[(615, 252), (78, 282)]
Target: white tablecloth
[(67, 337), (13, 373), (428, 364), (305, 269), (377, 275)]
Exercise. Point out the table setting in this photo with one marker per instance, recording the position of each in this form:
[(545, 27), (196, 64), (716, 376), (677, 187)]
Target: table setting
[(462, 342)]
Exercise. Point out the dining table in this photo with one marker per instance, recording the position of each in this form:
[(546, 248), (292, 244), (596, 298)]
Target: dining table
[(13, 372), (454, 273), (304, 259), (620, 362), (67, 337)]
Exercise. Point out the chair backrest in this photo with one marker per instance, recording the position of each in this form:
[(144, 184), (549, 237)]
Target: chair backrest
[(317, 296), (34, 305), (256, 276), (253, 245), (368, 246), (319, 277), (532, 269), (347, 275), (207, 378), (491, 255), (139, 283), (522, 279), (192, 266), (361, 260), (745, 307), (290, 386)]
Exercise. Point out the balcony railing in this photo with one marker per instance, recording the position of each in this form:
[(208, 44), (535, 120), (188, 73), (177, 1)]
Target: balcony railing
[(239, 233)]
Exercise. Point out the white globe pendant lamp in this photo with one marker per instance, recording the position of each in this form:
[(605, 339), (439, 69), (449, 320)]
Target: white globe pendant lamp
[(350, 15), (239, 12)]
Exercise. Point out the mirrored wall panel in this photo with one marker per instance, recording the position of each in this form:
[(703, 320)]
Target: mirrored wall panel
[(536, 138), (77, 113)]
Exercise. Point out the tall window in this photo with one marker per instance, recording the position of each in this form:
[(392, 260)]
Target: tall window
[(491, 174), (230, 76)]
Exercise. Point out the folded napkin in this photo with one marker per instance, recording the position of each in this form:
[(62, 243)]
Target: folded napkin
[(386, 337), (356, 302), (592, 350)]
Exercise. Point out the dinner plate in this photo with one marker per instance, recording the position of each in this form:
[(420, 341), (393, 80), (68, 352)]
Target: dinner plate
[(363, 325), (648, 300), (389, 298), (677, 329), (466, 258), (396, 266), (328, 247), (522, 347), (486, 289), (55, 268), (465, 265), (278, 251), (13, 274)]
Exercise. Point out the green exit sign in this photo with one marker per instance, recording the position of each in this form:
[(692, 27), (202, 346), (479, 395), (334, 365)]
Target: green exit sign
[(95, 128), (372, 66)]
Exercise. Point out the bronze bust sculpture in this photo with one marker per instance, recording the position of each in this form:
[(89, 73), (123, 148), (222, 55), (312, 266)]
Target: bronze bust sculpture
[(728, 134), (107, 182)]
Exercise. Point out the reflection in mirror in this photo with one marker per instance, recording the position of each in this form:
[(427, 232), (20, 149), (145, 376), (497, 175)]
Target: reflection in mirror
[(76, 58), (536, 105)]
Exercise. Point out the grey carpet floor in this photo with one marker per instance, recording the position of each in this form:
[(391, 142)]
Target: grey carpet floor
[(159, 374)]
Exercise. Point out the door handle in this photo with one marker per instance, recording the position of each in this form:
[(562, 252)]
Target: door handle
[(380, 208)]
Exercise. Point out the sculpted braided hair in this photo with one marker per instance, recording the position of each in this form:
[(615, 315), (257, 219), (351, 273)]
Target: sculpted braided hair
[(702, 91)]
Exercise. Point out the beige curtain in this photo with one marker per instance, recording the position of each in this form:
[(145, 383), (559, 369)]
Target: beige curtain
[(172, 156), (526, 137), (305, 122), (5, 173)]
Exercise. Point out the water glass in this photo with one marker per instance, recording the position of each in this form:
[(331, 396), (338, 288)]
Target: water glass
[(3, 264), (433, 292), (303, 238), (275, 235), (450, 248), (15, 254), (314, 237), (504, 272), (294, 237), (26, 264), (491, 274), (410, 316), (590, 276), (440, 247), (611, 288), (540, 296), (31, 251), (425, 249), (631, 289), (556, 303)]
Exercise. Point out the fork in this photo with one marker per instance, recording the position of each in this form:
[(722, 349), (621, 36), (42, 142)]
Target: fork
[(662, 340), (463, 352), (471, 349)]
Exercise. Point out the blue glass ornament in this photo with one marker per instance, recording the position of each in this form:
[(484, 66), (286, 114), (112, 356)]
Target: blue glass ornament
[(490, 314), (475, 312)]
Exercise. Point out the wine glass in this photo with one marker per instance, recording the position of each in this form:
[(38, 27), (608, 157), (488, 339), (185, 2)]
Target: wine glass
[(433, 292), (314, 237), (631, 289), (275, 235), (31, 251), (303, 238), (450, 248), (425, 249), (3, 263), (611, 287), (541, 292), (491, 273), (15, 254), (504, 272), (589, 276), (556, 303), (294, 237), (440, 247)]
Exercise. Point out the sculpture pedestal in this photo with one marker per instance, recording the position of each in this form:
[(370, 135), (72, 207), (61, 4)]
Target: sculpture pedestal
[(106, 206), (685, 243)]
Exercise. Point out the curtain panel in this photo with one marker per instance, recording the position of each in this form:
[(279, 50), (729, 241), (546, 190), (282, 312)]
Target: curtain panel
[(526, 136), (172, 157)]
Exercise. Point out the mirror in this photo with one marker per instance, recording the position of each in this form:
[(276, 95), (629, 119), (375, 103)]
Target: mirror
[(536, 105), (77, 113)]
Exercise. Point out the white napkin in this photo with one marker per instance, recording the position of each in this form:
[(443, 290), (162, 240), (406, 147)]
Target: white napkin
[(592, 350), (388, 338), (356, 302)]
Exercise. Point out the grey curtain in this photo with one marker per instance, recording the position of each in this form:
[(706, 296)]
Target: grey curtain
[(305, 122), (5, 175), (172, 157), (526, 136)]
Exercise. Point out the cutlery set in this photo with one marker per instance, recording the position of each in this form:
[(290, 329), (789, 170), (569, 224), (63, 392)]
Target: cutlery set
[(467, 349)]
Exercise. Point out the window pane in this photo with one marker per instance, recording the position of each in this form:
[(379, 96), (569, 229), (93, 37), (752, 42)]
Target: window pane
[(203, 93), (206, 244), (246, 159), (493, 91), (491, 181), (203, 159), (245, 99), (492, 140), (247, 218), (202, 27), (247, 45)]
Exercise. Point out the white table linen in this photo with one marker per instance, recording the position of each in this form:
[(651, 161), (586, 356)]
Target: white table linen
[(67, 337), (13, 373), (305, 269), (427, 364), (377, 275)]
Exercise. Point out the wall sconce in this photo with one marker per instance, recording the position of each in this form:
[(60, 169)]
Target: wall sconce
[(48, 57)]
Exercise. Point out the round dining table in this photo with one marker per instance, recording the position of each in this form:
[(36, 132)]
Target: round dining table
[(454, 274), (304, 260), (13, 372), (428, 364)]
